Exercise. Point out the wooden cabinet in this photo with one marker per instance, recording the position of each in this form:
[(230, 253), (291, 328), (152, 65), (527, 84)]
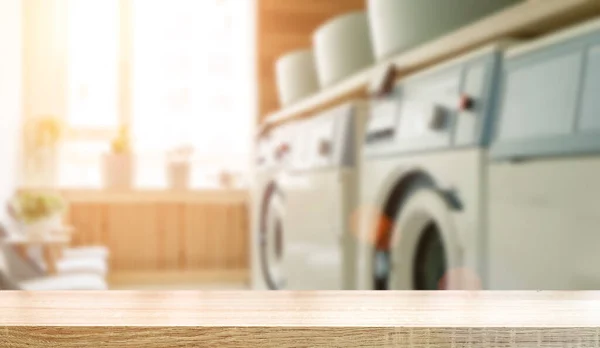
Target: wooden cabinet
[(164, 231)]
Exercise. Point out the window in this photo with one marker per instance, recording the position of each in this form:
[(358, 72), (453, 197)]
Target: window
[(190, 85), (92, 105), (81, 164), (93, 54)]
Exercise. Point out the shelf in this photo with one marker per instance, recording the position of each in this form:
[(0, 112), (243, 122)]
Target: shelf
[(530, 19), (214, 196), (299, 319)]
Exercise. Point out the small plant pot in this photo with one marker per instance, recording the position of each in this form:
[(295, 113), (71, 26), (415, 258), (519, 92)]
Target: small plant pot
[(178, 175), (118, 171), (226, 180)]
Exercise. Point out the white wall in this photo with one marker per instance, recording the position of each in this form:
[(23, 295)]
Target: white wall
[(44, 76), (45, 57), (10, 98)]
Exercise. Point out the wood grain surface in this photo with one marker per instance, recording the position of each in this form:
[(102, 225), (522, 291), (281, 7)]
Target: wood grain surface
[(149, 231), (300, 319)]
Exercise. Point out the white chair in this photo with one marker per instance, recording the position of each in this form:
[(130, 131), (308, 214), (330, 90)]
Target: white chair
[(68, 264), (65, 282), (84, 251), (78, 264), (18, 274)]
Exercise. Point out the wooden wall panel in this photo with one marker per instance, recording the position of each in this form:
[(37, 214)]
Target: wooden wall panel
[(285, 25), (245, 239), (196, 238), (184, 232), (169, 235)]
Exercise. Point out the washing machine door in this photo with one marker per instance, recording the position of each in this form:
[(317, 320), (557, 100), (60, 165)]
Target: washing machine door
[(271, 240), (426, 253)]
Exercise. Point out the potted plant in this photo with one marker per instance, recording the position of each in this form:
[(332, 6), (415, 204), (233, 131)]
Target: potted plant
[(42, 136), (179, 167), (39, 213), (118, 164)]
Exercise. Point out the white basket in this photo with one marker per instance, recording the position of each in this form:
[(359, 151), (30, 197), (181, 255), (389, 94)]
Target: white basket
[(400, 25), (342, 47), (296, 76)]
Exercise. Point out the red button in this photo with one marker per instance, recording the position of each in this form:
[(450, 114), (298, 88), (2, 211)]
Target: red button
[(281, 150), (466, 103)]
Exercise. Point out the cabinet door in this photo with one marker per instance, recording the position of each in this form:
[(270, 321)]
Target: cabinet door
[(543, 224)]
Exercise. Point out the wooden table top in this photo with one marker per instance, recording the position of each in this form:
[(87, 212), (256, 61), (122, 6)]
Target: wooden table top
[(299, 319), (295, 309)]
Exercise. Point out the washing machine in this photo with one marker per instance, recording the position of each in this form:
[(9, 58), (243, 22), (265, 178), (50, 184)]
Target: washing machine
[(543, 186), (322, 198), (273, 153), (422, 179)]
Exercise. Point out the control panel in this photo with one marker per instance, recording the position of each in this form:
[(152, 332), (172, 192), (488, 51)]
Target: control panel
[(320, 138), (262, 151), (280, 148), (264, 158), (443, 107), (382, 123), (330, 138)]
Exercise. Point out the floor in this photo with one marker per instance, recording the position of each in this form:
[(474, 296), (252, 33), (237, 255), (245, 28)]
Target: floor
[(203, 286), (171, 281)]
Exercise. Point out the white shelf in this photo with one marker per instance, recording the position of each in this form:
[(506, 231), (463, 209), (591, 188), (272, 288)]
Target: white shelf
[(530, 19)]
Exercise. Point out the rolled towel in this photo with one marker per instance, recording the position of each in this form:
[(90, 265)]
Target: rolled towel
[(81, 265), (65, 282), (86, 251)]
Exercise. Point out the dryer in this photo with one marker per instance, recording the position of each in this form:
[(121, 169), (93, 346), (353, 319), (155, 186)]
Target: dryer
[(268, 208), (422, 178), (322, 198)]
